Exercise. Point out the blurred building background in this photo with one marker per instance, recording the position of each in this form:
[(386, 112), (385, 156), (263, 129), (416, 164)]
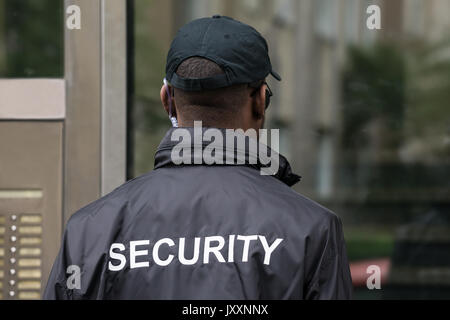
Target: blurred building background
[(364, 117)]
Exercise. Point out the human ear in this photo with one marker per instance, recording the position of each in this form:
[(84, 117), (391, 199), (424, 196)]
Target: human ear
[(165, 95), (164, 98), (259, 102)]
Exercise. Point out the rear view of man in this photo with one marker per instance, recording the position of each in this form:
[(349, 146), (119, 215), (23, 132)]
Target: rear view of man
[(207, 223)]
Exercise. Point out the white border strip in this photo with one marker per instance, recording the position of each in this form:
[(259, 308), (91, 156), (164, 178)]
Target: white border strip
[(32, 99)]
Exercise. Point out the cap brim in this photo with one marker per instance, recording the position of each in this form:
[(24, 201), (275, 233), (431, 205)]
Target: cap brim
[(275, 75)]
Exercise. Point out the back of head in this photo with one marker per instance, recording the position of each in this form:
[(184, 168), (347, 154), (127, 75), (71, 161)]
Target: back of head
[(210, 106), (210, 64)]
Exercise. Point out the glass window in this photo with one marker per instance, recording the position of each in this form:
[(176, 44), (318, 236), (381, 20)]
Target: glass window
[(325, 18), (31, 38)]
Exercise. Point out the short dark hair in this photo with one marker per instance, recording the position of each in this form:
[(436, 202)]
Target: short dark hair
[(197, 68), (207, 104)]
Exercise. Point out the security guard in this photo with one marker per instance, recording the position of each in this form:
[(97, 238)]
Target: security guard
[(208, 222)]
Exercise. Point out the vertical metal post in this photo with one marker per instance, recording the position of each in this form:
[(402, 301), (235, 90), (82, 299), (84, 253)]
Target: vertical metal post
[(95, 125), (114, 93)]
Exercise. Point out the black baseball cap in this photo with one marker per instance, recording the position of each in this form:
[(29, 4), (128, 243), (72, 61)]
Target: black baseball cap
[(237, 48)]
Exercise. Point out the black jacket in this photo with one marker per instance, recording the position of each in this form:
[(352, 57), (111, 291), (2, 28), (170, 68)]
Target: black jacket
[(203, 232)]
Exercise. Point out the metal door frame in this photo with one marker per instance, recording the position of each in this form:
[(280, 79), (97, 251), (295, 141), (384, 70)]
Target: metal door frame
[(96, 97), (89, 103)]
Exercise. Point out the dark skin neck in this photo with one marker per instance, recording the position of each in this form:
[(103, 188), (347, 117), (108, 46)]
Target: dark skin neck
[(250, 116)]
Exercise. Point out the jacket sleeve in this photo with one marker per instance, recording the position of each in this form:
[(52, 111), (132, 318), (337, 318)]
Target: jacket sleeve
[(56, 288), (330, 276), (80, 269)]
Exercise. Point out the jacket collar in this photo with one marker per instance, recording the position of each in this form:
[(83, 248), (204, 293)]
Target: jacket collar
[(163, 156)]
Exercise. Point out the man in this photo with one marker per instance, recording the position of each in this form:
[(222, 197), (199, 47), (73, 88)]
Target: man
[(207, 222)]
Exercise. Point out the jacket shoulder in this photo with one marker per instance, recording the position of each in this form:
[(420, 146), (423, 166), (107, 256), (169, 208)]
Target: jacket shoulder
[(109, 205), (298, 203)]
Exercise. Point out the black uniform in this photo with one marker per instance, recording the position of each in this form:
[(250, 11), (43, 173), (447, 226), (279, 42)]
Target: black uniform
[(203, 232)]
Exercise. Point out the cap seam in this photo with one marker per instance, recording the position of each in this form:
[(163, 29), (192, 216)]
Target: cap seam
[(204, 35)]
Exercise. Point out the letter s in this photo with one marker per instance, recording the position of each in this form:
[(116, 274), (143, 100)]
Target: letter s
[(117, 256)]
